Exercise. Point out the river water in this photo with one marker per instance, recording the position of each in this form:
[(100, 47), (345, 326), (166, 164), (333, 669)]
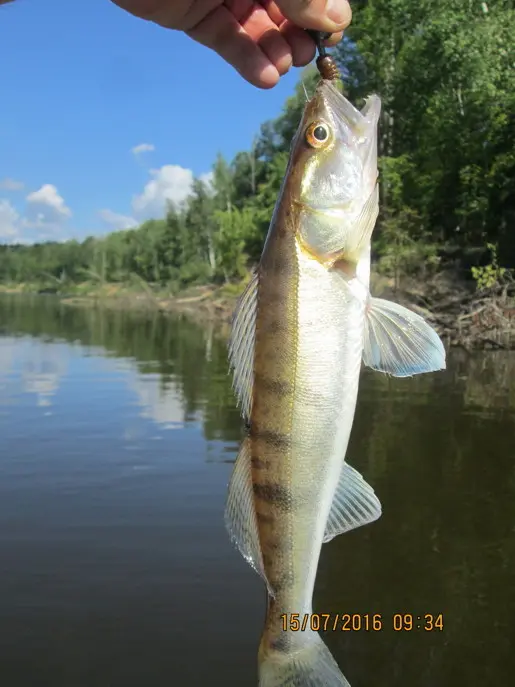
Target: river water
[(117, 436)]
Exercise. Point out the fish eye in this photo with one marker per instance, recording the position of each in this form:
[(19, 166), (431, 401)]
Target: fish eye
[(318, 134)]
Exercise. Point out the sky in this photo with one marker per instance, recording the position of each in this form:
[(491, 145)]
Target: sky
[(104, 116)]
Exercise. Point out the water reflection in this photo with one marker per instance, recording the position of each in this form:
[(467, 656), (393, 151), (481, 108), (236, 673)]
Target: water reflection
[(42, 370), (163, 406), (179, 372), (111, 512), (36, 370)]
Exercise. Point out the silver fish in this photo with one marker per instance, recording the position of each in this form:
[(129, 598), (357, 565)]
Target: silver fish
[(300, 332)]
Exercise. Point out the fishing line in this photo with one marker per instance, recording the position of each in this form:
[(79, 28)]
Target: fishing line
[(325, 63)]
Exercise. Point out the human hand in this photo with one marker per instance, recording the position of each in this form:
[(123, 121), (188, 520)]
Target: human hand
[(262, 40)]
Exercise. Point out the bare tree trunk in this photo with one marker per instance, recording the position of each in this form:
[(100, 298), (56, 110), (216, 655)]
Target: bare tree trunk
[(387, 147)]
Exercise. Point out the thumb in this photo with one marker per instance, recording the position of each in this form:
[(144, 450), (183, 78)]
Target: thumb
[(320, 15)]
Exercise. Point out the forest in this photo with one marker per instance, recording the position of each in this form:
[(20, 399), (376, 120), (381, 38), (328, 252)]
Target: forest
[(445, 70)]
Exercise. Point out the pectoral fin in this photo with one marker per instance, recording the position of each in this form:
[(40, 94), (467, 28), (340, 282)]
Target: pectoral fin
[(364, 226), (354, 504), (240, 513), (400, 342)]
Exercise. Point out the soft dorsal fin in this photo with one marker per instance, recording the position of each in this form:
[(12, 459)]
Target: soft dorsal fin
[(241, 345), (400, 342), (240, 512), (354, 504)]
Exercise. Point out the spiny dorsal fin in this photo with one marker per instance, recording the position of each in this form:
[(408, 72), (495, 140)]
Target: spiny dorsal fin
[(400, 342), (241, 345), (354, 504), (240, 512)]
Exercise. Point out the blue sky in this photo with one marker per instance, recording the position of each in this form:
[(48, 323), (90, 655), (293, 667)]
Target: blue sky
[(84, 84)]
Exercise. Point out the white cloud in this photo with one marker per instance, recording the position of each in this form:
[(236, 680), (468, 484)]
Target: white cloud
[(9, 184), (169, 183), (117, 221), (46, 212), (9, 217), (44, 217), (143, 148), (46, 201)]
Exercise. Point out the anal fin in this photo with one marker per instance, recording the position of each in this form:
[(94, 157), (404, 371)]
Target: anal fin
[(354, 504), (240, 512)]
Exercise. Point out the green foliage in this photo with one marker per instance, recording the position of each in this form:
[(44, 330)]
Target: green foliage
[(403, 245), (444, 71), (487, 276), (405, 248), (234, 226)]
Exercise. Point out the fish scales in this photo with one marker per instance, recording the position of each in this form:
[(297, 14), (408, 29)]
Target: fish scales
[(295, 356), (273, 397)]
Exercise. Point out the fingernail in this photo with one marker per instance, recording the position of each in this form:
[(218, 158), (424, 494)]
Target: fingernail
[(337, 11)]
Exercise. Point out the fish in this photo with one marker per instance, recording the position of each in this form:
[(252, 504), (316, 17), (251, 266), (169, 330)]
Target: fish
[(303, 327)]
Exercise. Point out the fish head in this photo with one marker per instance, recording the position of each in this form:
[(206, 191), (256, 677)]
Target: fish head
[(334, 155)]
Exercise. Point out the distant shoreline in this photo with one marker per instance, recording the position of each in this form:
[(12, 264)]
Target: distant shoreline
[(209, 301), (462, 316)]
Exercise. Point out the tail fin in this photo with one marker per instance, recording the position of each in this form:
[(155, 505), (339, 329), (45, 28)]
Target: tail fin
[(310, 666)]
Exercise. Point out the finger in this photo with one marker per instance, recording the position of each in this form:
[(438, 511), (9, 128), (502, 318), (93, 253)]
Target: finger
[(265, 32), (222, 33), (333, 39), (301, 45), (277, 49), (321, 15), (273, 11), (169, 13), (146, 9)]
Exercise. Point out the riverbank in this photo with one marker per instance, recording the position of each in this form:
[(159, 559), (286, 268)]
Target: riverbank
[(461, 314), (207, 301)]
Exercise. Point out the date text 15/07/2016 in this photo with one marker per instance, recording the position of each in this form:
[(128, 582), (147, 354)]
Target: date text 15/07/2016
[(356, 622)]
